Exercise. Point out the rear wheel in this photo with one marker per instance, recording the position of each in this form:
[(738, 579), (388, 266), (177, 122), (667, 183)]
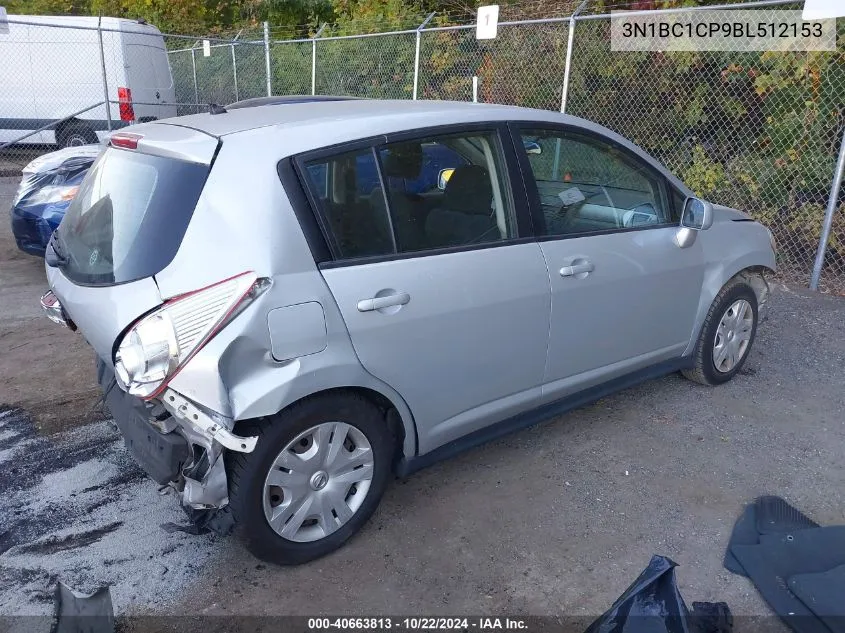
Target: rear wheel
[(317, 474), (75, 134), (726, 336)]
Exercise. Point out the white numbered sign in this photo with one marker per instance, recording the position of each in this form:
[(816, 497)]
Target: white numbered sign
[(488, 19)]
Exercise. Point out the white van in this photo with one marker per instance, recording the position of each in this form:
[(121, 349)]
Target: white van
[(51, 69)]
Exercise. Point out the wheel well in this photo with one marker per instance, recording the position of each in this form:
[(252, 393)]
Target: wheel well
[(64, 125), (755, 276), (380, 401), (60, 128)]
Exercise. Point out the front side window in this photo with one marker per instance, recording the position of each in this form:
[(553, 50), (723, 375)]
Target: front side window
[(431, 193), (586, 185)]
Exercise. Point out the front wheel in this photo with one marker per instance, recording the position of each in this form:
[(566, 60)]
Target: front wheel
[(315, 477), (726, 336)]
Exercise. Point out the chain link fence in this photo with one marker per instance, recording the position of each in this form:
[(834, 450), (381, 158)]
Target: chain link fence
[(524, 65), (758, 131)]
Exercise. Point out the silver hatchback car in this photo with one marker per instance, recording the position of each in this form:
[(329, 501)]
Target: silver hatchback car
[(291, 302)]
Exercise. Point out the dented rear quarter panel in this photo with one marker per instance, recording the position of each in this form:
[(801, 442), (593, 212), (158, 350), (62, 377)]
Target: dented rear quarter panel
[(235, 373)]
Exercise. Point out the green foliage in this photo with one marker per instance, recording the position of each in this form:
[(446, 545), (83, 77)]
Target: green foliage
[(183, 16), (47, 7), (192, 16), (703, 175)]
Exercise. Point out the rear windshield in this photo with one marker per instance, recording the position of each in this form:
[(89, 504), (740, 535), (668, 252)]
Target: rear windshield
[(128, 218)]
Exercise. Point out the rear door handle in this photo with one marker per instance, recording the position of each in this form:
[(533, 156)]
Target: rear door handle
[(377, 303), (577, 269)]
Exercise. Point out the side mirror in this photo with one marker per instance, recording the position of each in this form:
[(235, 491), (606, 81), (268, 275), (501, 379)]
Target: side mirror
[(533, 147), (443, 178), (697, 214)]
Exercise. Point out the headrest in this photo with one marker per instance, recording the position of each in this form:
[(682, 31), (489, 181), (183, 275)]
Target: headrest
[(469, 190), (403, 160)]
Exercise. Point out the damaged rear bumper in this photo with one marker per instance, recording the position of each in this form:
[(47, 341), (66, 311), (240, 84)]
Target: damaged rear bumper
[(177, 443)]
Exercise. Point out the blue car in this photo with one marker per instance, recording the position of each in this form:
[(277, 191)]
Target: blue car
[(49, 184)]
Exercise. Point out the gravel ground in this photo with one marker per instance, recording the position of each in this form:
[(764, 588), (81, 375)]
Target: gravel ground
[(76, 508), (558, 519)]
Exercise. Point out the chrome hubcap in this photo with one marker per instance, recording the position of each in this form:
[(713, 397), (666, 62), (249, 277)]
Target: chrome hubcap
[(318, 482), (733, 336)]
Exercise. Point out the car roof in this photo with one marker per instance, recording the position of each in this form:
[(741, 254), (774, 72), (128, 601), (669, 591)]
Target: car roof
[(254, 102), (316, 124), (86, 21), (355, 112)]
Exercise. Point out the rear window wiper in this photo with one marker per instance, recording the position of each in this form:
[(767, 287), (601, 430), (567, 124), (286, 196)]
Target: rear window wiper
[(53, 257)]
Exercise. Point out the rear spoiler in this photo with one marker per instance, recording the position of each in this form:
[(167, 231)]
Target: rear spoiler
[(169, 141)]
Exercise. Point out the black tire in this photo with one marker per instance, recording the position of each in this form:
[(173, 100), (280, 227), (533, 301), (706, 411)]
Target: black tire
[(247, 473), (75, 133), (704, 371)]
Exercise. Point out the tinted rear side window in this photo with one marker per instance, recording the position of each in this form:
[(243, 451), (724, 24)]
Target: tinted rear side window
[(349, 191), (439, 192), (128, 218)]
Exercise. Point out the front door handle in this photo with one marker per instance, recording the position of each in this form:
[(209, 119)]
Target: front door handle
[(577, 269), (379, 303)]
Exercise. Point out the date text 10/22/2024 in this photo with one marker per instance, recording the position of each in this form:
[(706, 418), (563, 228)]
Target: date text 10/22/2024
[(418, 623)]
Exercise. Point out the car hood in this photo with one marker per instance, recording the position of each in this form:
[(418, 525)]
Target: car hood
[(67, 157), (54, 169), (727, 214)]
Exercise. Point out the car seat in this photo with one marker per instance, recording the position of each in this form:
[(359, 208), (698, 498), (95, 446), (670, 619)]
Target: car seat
[(466, 214)]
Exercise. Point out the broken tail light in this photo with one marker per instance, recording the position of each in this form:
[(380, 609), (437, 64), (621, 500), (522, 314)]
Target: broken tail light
[(158, 345)]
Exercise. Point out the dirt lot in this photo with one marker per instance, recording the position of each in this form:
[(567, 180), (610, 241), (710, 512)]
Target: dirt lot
[(31, 347), (557, 519)]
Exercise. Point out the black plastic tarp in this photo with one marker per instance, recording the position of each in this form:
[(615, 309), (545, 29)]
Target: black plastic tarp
[(653, 604)]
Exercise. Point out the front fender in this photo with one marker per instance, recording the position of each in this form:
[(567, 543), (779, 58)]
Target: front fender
[(729, 247)]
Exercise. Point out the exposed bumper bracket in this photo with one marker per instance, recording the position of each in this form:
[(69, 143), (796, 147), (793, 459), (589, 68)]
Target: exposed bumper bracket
[(193, 416)]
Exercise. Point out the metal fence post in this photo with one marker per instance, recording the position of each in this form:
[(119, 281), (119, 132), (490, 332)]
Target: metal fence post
[(103, 69), (832, 205), (194, 66), (417, 53), (235, 64), (569, 42), (235, 72), (314, 59), (267, 58)]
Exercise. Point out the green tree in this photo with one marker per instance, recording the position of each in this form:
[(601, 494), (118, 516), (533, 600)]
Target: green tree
[(47, 7)]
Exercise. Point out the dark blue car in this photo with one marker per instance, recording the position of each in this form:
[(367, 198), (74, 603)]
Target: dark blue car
[(49, 184)]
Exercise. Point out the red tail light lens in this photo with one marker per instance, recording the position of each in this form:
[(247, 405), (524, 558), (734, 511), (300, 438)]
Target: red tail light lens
[(124, 98), (125, 140)]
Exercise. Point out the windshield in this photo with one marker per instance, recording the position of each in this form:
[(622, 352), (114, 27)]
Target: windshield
[(128, 218)]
